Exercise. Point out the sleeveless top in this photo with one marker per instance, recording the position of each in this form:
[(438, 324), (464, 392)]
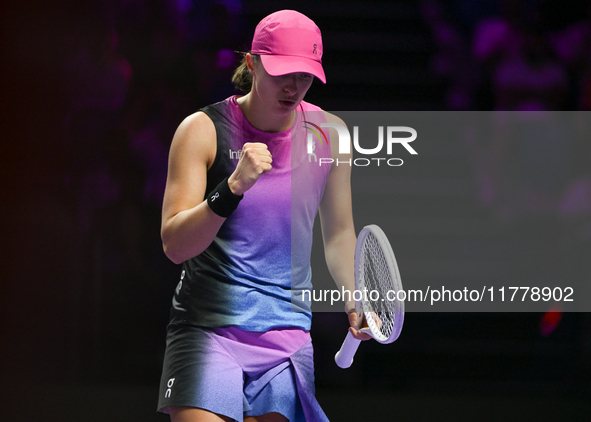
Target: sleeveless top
[(255, 271)]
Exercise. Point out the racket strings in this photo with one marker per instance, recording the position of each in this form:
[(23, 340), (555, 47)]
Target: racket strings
[(379, 307)]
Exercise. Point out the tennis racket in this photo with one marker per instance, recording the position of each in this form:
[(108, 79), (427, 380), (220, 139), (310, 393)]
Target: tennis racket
[(377, 283)]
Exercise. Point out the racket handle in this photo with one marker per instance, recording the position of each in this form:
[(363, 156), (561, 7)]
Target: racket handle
[(344, 357)]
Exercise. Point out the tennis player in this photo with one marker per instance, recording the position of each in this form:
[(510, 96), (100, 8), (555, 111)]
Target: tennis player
[(240, 201)]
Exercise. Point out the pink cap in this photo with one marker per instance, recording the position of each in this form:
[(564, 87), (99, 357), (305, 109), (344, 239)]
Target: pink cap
[(289, 42)]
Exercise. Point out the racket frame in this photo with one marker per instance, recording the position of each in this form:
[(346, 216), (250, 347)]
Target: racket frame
[(344, 357)]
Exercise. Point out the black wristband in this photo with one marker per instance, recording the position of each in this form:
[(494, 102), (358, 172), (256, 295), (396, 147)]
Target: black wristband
[(222, 200)]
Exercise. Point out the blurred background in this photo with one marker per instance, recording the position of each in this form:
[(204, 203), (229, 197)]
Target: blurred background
[(92, 93)]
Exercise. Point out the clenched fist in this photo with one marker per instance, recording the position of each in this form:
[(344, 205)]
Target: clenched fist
[(255, 160)]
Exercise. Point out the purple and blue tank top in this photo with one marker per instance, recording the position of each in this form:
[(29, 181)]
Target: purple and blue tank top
[(254, 273)]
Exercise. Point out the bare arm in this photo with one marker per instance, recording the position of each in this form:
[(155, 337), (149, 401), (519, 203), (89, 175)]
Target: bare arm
[(188, 224), (338, 230)]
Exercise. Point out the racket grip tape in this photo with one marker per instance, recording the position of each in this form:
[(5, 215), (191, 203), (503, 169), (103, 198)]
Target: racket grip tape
[(344, 357)]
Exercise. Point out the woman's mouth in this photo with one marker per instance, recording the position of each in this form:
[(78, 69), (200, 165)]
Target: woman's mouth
[(286, 103)]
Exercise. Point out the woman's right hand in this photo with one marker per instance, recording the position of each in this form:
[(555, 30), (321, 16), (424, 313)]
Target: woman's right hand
[(255, 159)]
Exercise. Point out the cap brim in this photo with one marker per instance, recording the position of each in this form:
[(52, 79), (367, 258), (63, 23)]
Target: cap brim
[(276, 65)]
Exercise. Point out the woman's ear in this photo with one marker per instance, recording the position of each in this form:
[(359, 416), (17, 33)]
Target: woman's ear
[(250, 63)]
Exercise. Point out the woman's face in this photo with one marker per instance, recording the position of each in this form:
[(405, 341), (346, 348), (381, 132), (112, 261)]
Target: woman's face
[(282, 94)]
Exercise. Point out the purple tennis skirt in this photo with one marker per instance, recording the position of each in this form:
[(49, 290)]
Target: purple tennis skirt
[(239, 373)]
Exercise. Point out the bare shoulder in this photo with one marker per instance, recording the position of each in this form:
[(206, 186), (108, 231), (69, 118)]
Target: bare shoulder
[(196, 137), (197, 126), (335, 139), (332, 118), (197, 120), (192, 153)]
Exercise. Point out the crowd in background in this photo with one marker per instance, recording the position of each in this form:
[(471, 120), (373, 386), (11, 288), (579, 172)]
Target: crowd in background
[(525, 56), (512, 54), (136, 69), (139, 68)]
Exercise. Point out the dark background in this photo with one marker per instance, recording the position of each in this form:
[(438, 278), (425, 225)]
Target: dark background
[(91, 95)]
